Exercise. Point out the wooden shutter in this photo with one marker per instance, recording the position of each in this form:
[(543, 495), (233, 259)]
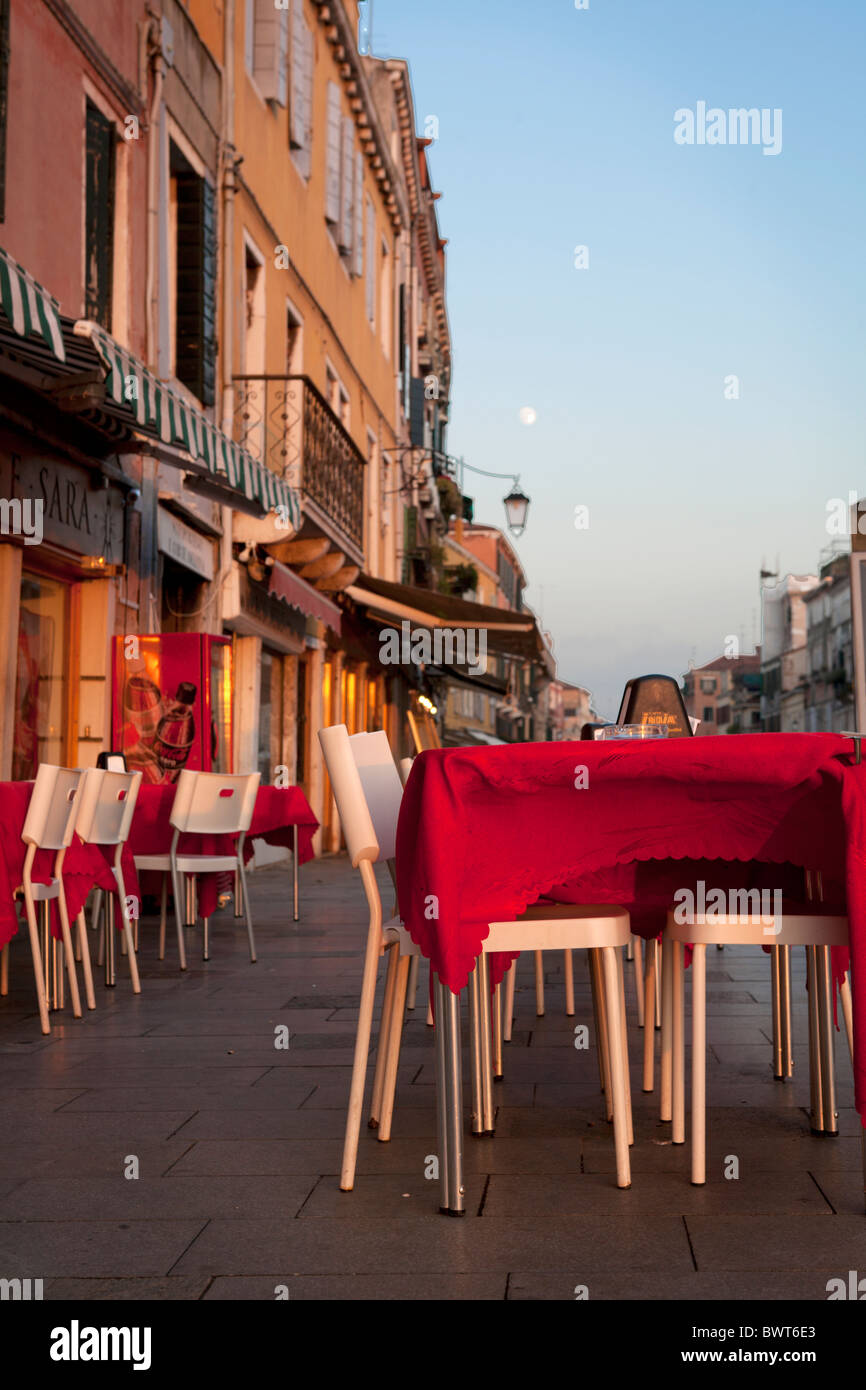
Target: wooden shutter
[(358, 248), (371, 261), (416, 412), (195, 346), (99, 217), (332, 177), (4, 99), (270, 50), (347, 220), (297, 121)]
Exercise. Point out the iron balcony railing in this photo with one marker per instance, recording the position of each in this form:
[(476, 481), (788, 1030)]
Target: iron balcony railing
[(286, 422)]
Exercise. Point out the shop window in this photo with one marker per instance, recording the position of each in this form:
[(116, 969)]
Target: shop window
[(98, 217), (270, 751), (43, 675)]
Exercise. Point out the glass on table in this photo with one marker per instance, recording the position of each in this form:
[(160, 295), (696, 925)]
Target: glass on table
[(623, 732)]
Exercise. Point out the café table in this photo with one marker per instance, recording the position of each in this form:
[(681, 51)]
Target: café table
[(485, 832), (282, 816)]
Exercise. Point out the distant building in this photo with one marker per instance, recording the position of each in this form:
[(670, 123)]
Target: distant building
[(828, 674), (783, 614), (725, 695)]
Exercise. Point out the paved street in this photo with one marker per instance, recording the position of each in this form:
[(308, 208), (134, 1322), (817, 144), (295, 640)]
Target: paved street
[(238, 1142)]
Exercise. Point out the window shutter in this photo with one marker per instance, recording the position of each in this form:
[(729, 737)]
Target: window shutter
[(344, 236), (297, 123), (195, 348), (308, 99), (416, 412), (332, 181), (99, 217), (358, 249), (4, 97), (270, 43), (371, 260)]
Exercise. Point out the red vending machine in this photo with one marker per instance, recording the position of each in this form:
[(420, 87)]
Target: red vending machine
[(172, 703)]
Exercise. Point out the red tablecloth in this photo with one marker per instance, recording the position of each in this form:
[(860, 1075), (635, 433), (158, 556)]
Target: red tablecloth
[(485, 832), (277, 811)]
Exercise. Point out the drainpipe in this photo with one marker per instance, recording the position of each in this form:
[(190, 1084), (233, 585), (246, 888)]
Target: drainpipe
[(229, 170)]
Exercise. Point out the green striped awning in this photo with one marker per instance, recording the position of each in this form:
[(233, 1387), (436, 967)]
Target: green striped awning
[(158, 410), (30, 309)]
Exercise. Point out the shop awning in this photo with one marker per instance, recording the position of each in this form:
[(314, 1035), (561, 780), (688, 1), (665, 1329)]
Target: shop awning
[(159, 413), (30, 309), (507, 631), (297, 593)]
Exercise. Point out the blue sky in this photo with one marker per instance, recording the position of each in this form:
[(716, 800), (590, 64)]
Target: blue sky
[(556, 130)]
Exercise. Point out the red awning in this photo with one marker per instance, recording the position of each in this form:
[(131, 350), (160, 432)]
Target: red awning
[(298, 594)]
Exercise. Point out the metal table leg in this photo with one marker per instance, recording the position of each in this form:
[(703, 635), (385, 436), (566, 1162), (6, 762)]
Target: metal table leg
[(449, 1099), (824, 982), (486, 1041), (110, 976)]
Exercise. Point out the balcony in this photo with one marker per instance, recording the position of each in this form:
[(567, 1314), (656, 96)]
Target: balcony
[(287, 423)]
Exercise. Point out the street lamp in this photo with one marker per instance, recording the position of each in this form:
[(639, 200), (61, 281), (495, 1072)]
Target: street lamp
[(516, 509)]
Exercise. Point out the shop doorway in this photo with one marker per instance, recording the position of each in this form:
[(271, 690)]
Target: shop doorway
[(45, 676)]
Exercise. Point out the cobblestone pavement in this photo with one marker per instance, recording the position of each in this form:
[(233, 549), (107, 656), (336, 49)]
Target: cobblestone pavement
[(237, 1142)]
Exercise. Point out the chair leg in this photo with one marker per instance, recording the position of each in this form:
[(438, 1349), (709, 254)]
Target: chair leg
[(4, 970), (816, 1099), (449, 1100), (596, 974), (412, 989), (845, 996), (179, 916), (429, 1015), (629, 950), (637, 942), (510, 983), (295, 876), (486, 1041), (569, 984), (359, 1063), (84, 955), (624, 1030), (649, 1009), (678, 1087), (392, 1060), (247, 912), (699, 1065), (110, 943), (617, 1070), (658, 980), (38, 965), (497, 1033), (97, 922), (475, 1062), (382, 1041), (163, 913), (69, 953), (824, 978), (127, 932), (666, 1059), (205, 939), (783, 1061), (539, 984)]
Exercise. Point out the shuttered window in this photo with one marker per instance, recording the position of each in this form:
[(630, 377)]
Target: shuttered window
[(371, 260), (335, 145), (301, 121), (347, 181), (195, 342), (417, 421), (270, 44), (4, 99), (358, 248), (98, 217)]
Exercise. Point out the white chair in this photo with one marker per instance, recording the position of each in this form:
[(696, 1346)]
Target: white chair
[(817, 933), (368, 791), (206, 803), (105, 810), (49, 824)]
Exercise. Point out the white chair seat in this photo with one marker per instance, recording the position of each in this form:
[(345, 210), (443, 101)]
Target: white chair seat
[(42, 892), (206, 863), (795, 929)]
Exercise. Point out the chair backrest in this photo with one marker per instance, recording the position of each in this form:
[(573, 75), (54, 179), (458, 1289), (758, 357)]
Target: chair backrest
[(367, 790), (50, 819), (405, 768), (106, 803), (422, 727), (214, 803), (111, 761)]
